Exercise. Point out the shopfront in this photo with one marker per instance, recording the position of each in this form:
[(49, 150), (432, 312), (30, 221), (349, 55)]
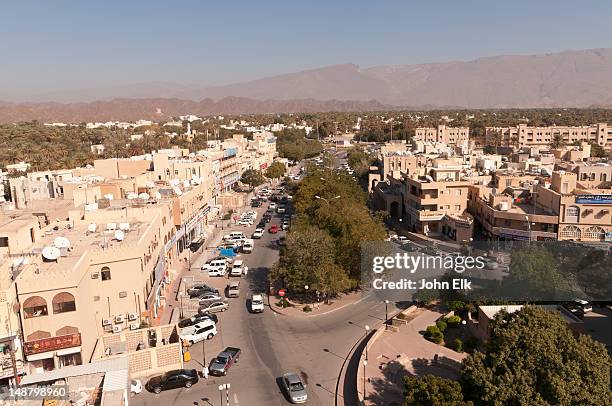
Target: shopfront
[(51, 353)]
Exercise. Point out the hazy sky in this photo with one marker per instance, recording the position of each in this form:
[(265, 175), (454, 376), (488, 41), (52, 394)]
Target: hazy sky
[(62, 45)]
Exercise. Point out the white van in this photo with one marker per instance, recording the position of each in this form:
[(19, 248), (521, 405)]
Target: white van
[(234, 235), (237, 268), (216, 267), (247, 246)]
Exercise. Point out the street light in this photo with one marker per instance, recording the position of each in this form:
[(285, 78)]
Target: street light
[(367, 331), (365, 363), (386, 314), (225, 386), (528, 226), (326, 200)]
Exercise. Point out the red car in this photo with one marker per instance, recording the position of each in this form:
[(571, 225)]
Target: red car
[(273, 229)]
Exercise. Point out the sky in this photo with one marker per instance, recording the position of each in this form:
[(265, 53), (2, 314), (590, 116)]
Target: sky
[(67, 45)]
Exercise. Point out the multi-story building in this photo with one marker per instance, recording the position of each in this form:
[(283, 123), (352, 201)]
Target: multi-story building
[(524, 136), (454, 136)]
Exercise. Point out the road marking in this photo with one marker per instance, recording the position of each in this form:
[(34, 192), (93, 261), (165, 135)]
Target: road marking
[(236, 399)]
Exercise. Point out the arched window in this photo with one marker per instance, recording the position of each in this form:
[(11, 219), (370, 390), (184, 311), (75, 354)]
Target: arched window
[(106, 274), (595, 233), (570, 232), (63, 302), (572, 211), (38, 335), (34, 306), (66, 330)]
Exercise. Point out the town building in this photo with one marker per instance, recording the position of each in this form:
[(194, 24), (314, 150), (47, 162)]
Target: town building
[(454, 136), (523, 135)]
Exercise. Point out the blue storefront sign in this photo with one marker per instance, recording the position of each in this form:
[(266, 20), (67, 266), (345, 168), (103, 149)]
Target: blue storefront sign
[(594, 199)]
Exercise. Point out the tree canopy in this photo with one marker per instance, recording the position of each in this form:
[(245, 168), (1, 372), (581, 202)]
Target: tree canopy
[(533, 358), (431, 390), (252, 177), (275, 171)]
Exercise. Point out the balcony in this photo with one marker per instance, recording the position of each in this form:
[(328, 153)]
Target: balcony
[(523, 234), (428, 215)]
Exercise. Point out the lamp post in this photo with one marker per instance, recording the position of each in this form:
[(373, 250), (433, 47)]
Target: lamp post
[(365, 363), (326, 200), (528, 226), (204, 351), (367, 331), (386, 314)]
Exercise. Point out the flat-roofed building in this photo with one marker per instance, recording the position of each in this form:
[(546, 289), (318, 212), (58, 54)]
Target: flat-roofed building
[(523, 135), (454, 136)]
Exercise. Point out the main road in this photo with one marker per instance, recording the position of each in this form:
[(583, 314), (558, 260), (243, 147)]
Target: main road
[(316, 346)]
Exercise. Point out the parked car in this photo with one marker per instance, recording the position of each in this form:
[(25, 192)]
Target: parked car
[(173, 379), (295, 388), (233, 289), (257, 304), (247, 222), (584, 305), (233, 234), (281, 209), (213, 307), (198, 294), (259, 231), (200, 287), (224, 361), (198, 318), (267, 218), (204, 330), (208, 297), (273, 229), (237, 268), (272, 205), (135, 386), (285, 225)]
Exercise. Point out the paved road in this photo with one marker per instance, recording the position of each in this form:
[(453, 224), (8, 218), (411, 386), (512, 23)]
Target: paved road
[(273, 344)]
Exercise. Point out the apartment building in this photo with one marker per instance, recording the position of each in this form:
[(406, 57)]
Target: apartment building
[(454, 136), (94, 274), (523, 135), (441, 193)]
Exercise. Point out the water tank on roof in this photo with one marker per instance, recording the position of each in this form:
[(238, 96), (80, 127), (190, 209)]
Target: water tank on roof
[(503, 206)]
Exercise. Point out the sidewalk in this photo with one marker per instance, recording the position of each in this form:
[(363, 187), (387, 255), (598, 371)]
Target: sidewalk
[(318, 309), (393, 355)]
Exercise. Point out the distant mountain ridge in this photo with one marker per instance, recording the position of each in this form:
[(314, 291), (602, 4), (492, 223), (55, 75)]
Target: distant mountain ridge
[(565, 79)]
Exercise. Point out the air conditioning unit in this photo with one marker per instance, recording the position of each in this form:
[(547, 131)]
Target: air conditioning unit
[(95, 275), (119, 319), (117, 329), (106, 322), (132, 316), (134, 327)]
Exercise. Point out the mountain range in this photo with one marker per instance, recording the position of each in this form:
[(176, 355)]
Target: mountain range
[(565, 79)]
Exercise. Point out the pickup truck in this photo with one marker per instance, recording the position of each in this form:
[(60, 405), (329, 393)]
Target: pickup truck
[(222, 362)]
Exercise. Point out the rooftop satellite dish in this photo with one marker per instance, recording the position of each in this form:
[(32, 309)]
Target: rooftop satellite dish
[(132, 196), (124, 226), (92, 227), (51, 253), (178, 191), (111, 226), (61, 242), (158, 195), (109, 196), (119, 235), (144, 196)]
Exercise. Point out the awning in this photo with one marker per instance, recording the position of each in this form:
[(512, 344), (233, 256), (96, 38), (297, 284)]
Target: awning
[(42, 355), (68, 351)]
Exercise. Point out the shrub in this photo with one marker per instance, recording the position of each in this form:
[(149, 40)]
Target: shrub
[(441, 324), (453, 321), (433, 333), (471, 344), (458, 344), (456, 305), (401, 316), (307, 309), (470, 308)]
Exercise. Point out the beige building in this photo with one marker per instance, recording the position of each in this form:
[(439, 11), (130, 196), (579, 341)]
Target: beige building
[(454, 136), (525, 136)]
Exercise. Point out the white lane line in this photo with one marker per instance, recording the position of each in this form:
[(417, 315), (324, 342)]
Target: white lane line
[(235, 399)]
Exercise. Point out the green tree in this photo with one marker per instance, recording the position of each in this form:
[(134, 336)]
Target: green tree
[(275, 171), (252, 178), (533, 358), (598, 151), (431, 390)]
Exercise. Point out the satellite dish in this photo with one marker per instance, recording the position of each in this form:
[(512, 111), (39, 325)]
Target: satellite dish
[(111, 226), (61, 242), (92, 227), (132, 196), (51, 253), (144, 196), (109, 196), (124, 226), (178, 191), (119, 235), (158, 195)]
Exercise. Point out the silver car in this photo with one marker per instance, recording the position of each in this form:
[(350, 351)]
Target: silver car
[(213, 307), (295, 388)]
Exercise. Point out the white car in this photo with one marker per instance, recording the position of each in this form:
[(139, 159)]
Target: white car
[(257, 304), (245, 222), (586, 306), (280, 209), (237, 268), (135, 386), (204, 330), (272, 205), (233, 234), (258, 233), (247, 246)]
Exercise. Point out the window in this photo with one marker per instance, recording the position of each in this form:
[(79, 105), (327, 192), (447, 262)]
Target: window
[(106, 275), (63, 302), (122, 294), (34, 306), (3, 241), (595, 233), (572, 211)]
